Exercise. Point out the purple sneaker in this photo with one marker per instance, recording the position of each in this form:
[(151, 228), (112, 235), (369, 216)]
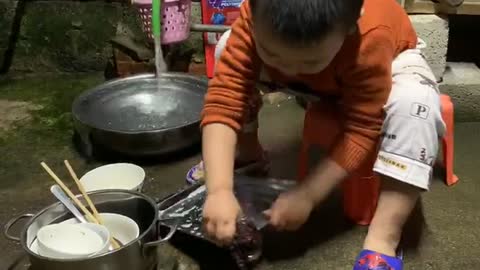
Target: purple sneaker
[(252, 168), (195, 174), (371, 260)]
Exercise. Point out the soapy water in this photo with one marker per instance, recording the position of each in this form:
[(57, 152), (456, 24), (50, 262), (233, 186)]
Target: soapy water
[(153, 111), (143, 107)]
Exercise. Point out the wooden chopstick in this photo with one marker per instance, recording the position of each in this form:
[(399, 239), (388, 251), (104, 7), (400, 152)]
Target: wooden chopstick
[(89, 215), (69, 193), (82, 190), (87, 198)]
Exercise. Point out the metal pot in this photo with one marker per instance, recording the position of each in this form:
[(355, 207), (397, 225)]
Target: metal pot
[(141, 115), (139, 254)]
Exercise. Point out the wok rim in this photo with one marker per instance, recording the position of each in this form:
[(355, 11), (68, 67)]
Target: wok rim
[(85, 94)]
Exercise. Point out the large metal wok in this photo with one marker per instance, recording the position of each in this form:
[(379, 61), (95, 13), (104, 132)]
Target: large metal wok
[(141, 115)]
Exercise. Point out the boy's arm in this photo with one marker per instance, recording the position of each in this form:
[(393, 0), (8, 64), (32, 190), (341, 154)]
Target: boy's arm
[(367, 82), (226, 102)]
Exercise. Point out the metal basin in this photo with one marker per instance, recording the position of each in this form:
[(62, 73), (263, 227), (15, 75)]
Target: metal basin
[(141, 115)]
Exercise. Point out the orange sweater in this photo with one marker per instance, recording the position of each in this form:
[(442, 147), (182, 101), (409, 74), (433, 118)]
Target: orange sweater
[(360, 76)]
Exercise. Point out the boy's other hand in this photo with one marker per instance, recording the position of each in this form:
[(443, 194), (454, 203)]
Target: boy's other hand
[(291, 210), (220, 214)]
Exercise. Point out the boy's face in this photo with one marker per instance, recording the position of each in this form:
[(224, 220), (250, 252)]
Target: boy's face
[(292, 60)]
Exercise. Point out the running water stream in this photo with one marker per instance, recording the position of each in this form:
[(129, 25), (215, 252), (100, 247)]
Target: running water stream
[(160, 65)]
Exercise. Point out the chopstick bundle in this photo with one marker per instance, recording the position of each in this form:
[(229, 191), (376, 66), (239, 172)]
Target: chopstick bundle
[(89, 215), (89, 201), (93, 218), (82, 190)]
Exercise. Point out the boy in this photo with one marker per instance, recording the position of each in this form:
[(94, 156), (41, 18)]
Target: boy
[(364, 55)]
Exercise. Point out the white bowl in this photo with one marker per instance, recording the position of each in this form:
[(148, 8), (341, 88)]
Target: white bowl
[(103, 232), (34, 246), (114, 176), (72, 241), (121, 227)]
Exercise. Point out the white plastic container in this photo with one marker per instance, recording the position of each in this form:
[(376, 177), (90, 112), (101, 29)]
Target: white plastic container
[(72, 241), (125, 176), (122, 228)]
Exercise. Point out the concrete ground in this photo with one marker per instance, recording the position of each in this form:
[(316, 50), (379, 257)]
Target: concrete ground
[(443, 233)]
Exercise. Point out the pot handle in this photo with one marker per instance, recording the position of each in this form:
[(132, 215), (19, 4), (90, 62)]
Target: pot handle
[(172, 231), (10, 224)]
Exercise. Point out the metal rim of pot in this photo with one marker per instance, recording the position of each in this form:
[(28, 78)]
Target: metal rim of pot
[(77, 100), (32, 218)]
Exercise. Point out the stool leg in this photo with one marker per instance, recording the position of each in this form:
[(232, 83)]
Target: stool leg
[(448, 140), (451, 178), (360, 197)]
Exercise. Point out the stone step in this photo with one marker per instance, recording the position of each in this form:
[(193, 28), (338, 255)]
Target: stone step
[(433, 29), (461, 82)]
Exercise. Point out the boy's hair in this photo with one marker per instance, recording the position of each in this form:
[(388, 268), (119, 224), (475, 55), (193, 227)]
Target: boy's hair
[(306, 21)]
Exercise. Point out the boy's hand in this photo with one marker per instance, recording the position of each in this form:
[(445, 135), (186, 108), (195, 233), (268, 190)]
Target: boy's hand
[(220, 214), (291, 210)]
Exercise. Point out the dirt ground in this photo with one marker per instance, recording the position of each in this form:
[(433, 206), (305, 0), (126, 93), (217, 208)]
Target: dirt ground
[(15, 112)]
